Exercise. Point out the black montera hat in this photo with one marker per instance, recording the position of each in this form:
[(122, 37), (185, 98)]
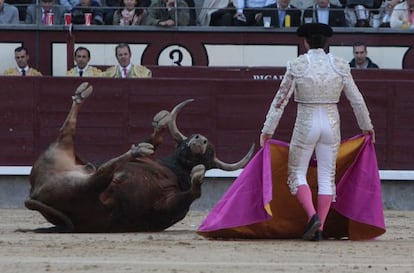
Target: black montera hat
[(314, 29)]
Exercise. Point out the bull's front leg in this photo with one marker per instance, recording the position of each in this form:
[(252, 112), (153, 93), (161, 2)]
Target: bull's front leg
[(197, 176), (105, 173), (176, 204), (160, 123)]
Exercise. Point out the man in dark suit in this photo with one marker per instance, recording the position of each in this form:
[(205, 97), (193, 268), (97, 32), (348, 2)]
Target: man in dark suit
[(324, 12), (361, 59), (278, 11), (38, 16)]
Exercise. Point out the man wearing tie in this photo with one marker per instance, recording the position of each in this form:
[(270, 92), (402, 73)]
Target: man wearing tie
[(125, 69), (278, 11), (82, 68), (35, 15), (21, 55)]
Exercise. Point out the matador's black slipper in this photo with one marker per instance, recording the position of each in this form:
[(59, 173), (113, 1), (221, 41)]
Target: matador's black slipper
[(311, 228)]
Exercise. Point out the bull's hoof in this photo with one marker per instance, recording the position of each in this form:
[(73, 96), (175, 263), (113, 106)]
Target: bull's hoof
[(161, 120), (142, 149), (82, 92), (197, 174)]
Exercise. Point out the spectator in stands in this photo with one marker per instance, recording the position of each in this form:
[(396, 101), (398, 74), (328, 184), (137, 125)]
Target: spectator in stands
[(21, 6), (70, 4), (88, 6), (278, 11), (131, 13), (360, 59), (8, 14), (402, 15), (21, 55), (168, 13), (125, 69), (325, 12), (388, 7), (192, 11), (38, 16), (249, 12), (82, 68), (359, 13), (111, 7), (217, 13)]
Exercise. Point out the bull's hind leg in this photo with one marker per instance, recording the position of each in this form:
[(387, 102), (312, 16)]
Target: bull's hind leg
[(68, 129), (54, 216)]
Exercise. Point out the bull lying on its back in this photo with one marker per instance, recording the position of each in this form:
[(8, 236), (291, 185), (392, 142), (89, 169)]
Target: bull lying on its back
[(131, 192)]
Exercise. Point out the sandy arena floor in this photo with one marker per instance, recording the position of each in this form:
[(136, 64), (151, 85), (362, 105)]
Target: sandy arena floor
[(179, 249)]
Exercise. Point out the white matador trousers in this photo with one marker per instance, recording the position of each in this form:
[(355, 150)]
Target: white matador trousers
[(317, 129)]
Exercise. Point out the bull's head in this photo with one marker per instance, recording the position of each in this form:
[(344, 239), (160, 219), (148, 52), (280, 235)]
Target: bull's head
[(200, 146)]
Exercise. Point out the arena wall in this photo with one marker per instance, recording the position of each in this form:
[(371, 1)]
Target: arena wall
[(229, 109)]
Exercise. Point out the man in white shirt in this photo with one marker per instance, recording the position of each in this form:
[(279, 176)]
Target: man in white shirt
[(402, 15), (82, 68)]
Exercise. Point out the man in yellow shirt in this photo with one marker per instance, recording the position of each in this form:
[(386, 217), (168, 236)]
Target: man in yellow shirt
[(21, 55), (82, 68), (125, 69)]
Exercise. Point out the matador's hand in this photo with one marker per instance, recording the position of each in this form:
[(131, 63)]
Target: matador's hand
[(371, 132), (263, 138)]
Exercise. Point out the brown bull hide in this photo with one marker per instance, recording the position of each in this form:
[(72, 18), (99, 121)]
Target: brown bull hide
[(131, 192)]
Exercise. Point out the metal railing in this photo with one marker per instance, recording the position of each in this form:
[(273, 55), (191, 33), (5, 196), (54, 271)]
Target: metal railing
[(357, 16)]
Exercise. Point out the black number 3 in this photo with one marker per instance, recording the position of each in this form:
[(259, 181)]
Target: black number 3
[(176, 56)]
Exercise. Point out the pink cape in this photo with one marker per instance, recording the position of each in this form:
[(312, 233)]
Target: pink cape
[(259, 205)]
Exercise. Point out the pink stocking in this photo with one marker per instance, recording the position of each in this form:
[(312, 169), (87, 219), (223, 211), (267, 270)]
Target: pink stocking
[(304, 195), (324, 203)]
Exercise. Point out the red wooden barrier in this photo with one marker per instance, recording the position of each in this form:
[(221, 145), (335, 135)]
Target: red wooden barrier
[(228, 111)]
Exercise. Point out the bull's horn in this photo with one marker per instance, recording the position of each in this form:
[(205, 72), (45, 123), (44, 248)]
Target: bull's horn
[(176, 134), (235, 166)]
